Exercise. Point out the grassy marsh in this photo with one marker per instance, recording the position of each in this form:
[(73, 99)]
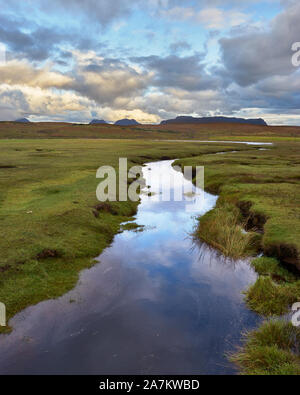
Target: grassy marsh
[(260, 191), (265, 186), (218, 131), (50, 225), (50, 230)]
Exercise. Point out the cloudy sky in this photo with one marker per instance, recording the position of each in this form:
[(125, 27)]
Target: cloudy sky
[(74, 60)]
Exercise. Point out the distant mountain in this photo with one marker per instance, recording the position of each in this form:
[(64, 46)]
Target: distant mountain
[(98, 121), (22, 120), (127, 122), (185, 119)]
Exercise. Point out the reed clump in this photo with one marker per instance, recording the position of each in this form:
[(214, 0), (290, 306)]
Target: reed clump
[(223, 229)]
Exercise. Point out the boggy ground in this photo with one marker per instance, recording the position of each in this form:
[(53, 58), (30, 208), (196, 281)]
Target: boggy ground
[(259, 190), (260, 193), (51, 228), (49, 130), (51, 223)]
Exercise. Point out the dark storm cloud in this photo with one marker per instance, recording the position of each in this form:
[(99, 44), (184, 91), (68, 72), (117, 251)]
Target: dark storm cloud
[(106, 64), (278, 94), (26, 39), (178, 72), (37, 45), (257, 71), (251, 57)]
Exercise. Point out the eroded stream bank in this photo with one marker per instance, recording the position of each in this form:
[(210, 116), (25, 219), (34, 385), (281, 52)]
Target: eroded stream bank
[(155, 304)]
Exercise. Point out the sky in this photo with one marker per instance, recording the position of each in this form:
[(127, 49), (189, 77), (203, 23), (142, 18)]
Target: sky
[(77, 60)]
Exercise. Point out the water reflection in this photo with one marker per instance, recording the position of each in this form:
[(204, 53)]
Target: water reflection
[(155, 304)]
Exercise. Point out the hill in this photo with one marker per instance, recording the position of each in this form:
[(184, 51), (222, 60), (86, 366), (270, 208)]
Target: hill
[(127, 122), (186, 119), (22, 120)]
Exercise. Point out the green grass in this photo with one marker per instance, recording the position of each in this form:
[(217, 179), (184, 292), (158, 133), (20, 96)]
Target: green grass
[(238, 132), (273, 349), (275, 290), (265, 266), (265, 185), (261, 192), (268, 298), (222, 229), (47, 203)]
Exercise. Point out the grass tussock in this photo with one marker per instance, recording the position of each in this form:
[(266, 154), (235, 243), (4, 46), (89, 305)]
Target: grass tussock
[(265, 266), (275, 290), (268, 298), (222, 229), (273, 349)]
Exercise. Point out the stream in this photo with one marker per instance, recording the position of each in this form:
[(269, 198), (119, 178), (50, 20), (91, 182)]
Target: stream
[(155, 303)]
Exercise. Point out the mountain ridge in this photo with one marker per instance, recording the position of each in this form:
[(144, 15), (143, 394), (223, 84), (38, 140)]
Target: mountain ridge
[(22, 120), (127, 122), (203, 120)]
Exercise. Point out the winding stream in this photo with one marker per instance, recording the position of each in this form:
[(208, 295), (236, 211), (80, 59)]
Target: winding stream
[(156, 303)]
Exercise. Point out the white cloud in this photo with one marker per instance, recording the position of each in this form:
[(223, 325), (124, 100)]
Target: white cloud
[(211, 18), (22, 72)]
